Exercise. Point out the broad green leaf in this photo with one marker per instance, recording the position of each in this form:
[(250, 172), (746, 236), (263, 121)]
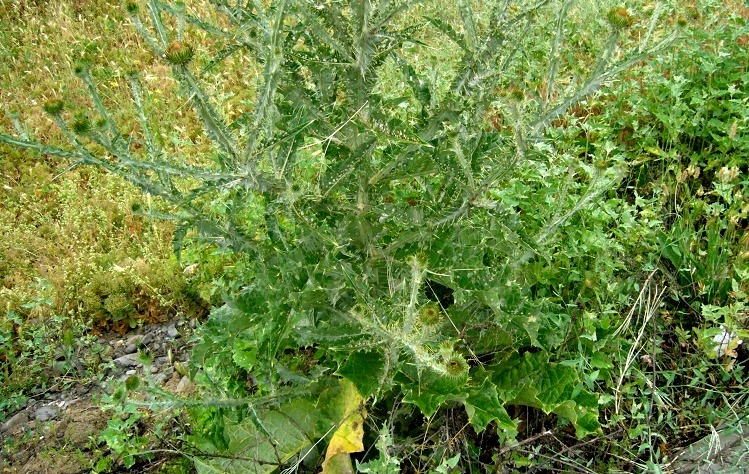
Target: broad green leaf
[(600, 360), (245, 353), (532, 380), (483, 406), (366, 370), (263, 442), (428, 402)]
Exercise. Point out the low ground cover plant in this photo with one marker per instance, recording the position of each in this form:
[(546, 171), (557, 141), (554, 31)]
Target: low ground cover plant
[(439, 239)]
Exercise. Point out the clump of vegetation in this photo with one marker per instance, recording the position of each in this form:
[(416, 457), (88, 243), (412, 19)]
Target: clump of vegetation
[(449, 213), (132, 292)]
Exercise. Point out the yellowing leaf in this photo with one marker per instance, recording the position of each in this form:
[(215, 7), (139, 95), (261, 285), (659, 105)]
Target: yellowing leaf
[(348, 438), (338, 464)]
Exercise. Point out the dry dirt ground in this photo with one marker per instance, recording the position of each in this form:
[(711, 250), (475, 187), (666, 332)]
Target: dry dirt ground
[(58, 431)]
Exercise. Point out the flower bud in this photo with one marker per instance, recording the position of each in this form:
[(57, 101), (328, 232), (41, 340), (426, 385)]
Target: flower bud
[(619, 18), (54, 107), (179, 53)]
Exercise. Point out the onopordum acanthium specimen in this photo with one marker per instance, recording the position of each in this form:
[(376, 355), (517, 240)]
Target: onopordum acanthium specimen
[(366, 169)]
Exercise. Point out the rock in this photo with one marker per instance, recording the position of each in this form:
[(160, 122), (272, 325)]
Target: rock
[(46, 413), (118, 345), (719, 452), (128, 360), (133, 343), (14, 422), (147, 338), (161, 378), (131, 372), (185, 387), (172, 331)]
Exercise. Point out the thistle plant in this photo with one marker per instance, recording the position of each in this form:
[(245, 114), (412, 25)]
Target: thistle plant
[(380, 195)]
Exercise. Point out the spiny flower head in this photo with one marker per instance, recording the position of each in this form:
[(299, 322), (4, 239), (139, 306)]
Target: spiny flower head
[(430, 314), (132, 7), (54, 107), (456, 367), (179, 53), (619, 18), (81, 124)]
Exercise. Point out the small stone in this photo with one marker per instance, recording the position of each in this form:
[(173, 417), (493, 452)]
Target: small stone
[(132, 343), (14, 422), (134, 339), (193, 323), (154, 369), (147, 338), (128, 360), (185, 387), (172, 331), (160, 379), (46, 413), (131, 372)]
